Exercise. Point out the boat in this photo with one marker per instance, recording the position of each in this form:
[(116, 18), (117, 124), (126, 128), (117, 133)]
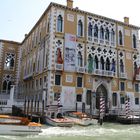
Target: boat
[(81, 118), (131, 119), (59, 120), (12, 125)]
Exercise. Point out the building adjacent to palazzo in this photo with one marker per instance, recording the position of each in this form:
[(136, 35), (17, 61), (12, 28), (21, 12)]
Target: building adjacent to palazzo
[(76, 56)]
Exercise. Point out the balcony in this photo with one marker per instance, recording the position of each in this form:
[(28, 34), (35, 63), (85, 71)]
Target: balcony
[(138, 77), (80, 69), (59, 67), (104, 73), (123, 75)]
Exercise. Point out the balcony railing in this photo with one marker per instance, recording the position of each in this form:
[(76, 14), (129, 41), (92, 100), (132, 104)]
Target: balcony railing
[(90, 38), (95, 39), (104, 73), (59, 67), (101, 41), (138, 77), (123, 75), (80, 69)]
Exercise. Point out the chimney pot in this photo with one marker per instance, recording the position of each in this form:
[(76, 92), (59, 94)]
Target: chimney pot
[(126, 20), (70, 3)]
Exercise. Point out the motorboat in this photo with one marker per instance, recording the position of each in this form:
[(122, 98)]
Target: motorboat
[(59, 120), (130, 119), (81, 118), (12, 125)]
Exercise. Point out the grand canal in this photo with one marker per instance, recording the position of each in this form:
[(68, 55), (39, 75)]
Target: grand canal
[(109, 131)]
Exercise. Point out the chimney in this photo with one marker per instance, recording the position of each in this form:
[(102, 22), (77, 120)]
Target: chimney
[(126, 20), (70, 3)]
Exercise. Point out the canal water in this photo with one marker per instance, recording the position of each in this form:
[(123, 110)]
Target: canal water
[(109, 131)]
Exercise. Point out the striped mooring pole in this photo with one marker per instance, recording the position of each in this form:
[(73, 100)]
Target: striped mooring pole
[(127, 107), (102, 109), (58, 103)]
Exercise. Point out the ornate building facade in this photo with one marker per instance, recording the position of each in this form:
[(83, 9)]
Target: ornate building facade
[(79, 56)]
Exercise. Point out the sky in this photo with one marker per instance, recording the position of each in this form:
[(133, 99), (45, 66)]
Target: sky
[(17, 17)]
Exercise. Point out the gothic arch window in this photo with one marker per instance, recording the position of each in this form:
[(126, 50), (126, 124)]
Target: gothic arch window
[(107, 34), (134, 41), (121, 66), (96, 31), (9, 85), (7, 82), (4, 85), (80, 28), (96, 62), (135, 66), (107, 64), (9, 61), (80, 59), (59, 23), (112, 36), (90, 30), (102, 63), (113, 66), (101, 33), (120, 38)]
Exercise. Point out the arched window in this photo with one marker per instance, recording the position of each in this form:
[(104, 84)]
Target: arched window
[(90, 64), (90, 30), (80, 60), (96, 62), (59, 23), (113, 65), (80, 28), (114, 99), (102, 63), (107, 64), (9, 85), (134, 41), (121, 66), (101, 33), (12, 63), (96, 31), (112, 36), (120, 38), (4, 85), (107, 34), (135, 66)]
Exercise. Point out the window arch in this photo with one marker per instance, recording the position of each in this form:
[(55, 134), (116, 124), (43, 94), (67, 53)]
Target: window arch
[(112, 35), (121, 66), (135, 66), (96, 31), (107, 64), (96, 62), (134, 41), (90, 30), (113, 66), (80, 28), (59, 23), (102, 63), (80, 59), (9, 85), (101, 33), (120, 38), (107, 34)]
